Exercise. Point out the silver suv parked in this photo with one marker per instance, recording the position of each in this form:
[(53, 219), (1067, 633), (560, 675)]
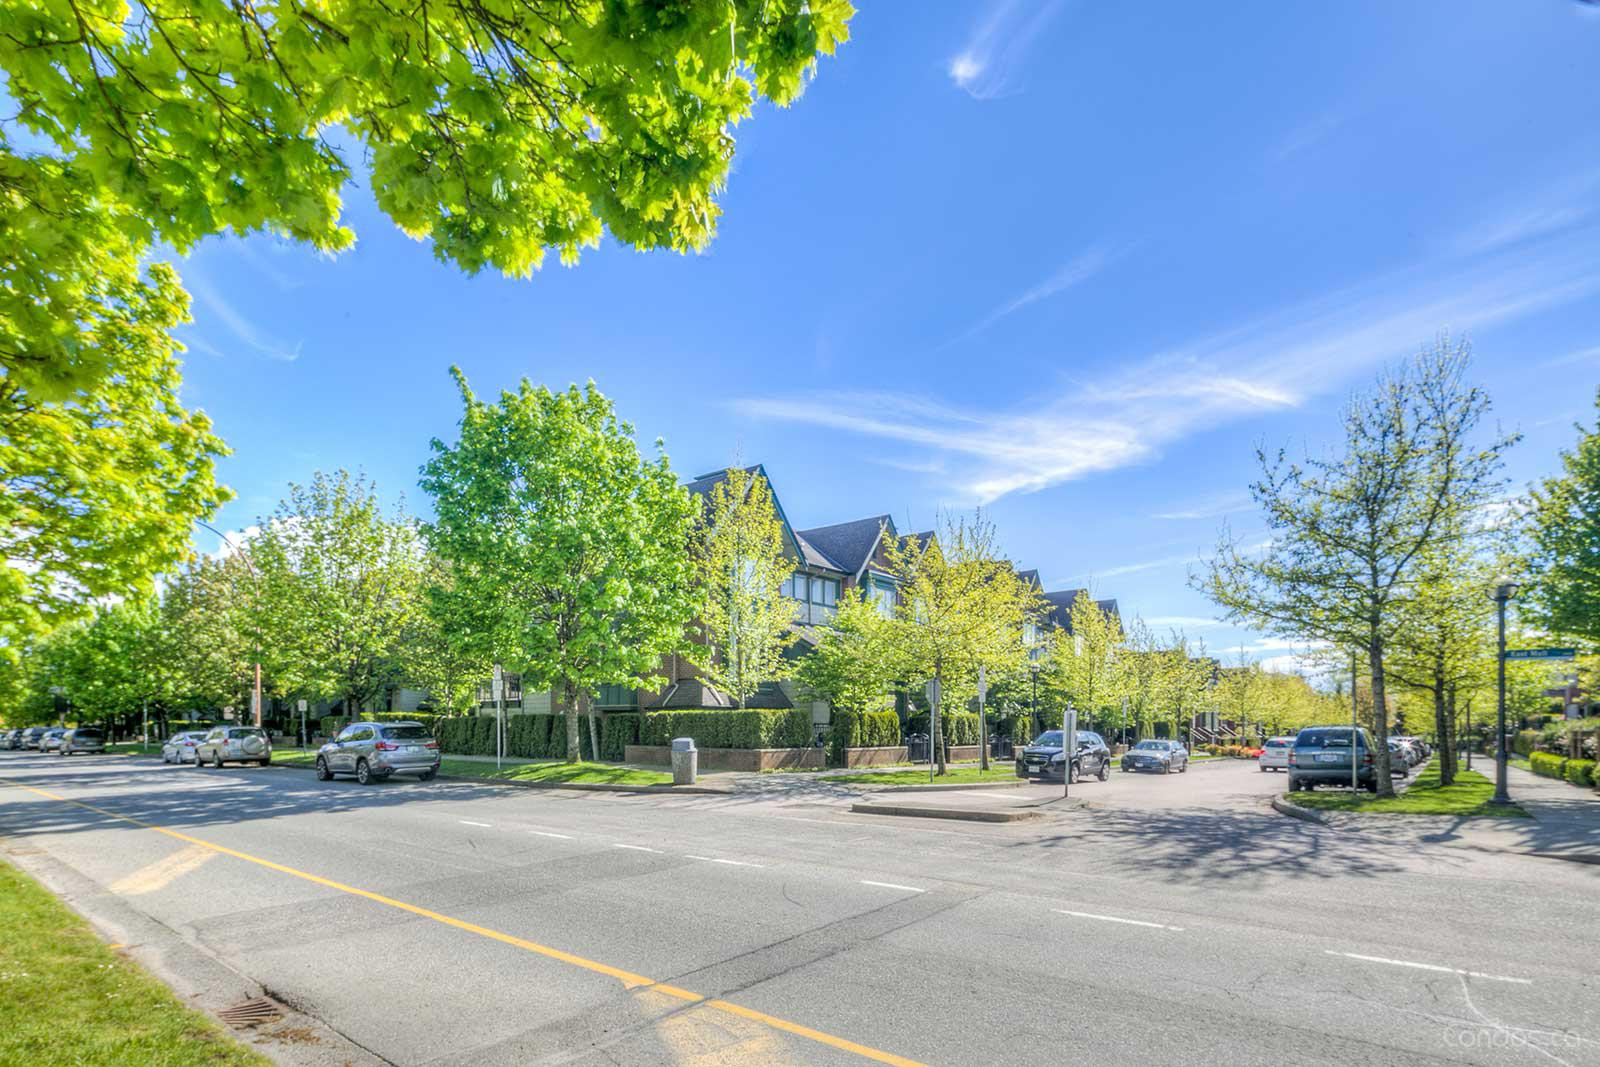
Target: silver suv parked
[(1322, 755), (83, 739), (374, 750), (235, 744)]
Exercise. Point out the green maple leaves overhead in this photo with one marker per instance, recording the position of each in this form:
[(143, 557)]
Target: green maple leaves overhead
[(497, 128)]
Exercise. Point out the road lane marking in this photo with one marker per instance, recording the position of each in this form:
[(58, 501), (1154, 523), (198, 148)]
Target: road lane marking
[(1429, 967), (629, 979), (163, 872), (892, 885), (637, 848), (730, 863), (1116, 919), (469, 822), (547, 833)]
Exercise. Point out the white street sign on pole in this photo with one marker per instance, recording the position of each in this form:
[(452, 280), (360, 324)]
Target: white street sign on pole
[(1069, 748)]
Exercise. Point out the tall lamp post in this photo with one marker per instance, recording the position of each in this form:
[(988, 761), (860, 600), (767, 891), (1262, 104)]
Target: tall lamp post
[(1500, 591), (1033, 707), (255, 580)]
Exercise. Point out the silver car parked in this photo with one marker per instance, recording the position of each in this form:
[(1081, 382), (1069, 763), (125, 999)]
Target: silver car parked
[(234, 744), (179, 748), (83, 739), (1275, 754), (50, 740), (374, 750)]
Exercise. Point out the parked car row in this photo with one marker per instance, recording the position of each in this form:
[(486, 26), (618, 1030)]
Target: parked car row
[(58, 739)]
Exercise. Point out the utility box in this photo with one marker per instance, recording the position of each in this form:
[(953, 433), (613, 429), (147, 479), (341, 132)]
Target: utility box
[(685, 761)]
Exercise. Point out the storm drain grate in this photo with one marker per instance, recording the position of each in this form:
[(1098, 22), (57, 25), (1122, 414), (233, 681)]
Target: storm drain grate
[(251, 1013)]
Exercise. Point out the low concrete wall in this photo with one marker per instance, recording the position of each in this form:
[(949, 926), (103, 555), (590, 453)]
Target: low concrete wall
[(874, 757), (734, 759), (964, 752)]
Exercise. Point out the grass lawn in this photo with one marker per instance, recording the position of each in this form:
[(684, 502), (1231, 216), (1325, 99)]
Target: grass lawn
[(542, 771), (1469, 794), (919, 776), (134, 748), (70, 999)]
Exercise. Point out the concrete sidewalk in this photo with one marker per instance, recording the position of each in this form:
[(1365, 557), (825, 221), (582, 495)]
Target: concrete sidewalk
[(1565, 823)]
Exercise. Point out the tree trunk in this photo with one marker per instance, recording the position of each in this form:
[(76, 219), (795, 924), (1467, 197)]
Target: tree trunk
[(594, 733), (1441, 730), (574, 746), (1380, 716), (1450, 751)]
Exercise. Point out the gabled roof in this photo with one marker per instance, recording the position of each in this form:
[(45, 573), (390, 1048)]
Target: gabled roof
[(812, 556), (703, 484), (848, 544), (1060, 611), (1029, 577)]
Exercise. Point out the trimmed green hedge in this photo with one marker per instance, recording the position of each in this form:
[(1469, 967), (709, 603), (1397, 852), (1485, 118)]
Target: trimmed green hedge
[(1580, 771), (1548, 764), (1525, 742), (751, 728), (862, 729)]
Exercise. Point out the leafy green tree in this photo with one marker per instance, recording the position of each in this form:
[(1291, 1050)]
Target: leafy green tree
[(853, 665), (447, 651), (1184, 677), (341, 585), (102, 469), (961, 606), (1348, 530), (573, 545), (740, 568), (497, 130), (208, 631), (1088, 666), (1563, 544)]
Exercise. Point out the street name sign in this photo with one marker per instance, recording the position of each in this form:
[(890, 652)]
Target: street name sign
[(1541, 653)]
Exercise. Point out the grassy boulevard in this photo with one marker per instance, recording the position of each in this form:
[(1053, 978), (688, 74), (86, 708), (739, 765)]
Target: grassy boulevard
[(544, 771), (70, 999), (1469, 794)]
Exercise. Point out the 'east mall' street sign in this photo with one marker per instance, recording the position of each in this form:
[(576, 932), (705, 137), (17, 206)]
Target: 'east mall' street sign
[(1541, 653)]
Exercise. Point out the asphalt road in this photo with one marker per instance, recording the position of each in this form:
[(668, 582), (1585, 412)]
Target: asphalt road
[(1175, 920)]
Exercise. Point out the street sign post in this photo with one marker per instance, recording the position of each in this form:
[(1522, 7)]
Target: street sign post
[(932, 691), (983, 720), (498, 686), (300, 706), (1541, 653), (1069, 748)]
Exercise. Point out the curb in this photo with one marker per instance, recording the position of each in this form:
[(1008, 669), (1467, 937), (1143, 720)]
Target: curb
[(1295, 811), (966, 814), (1019, 783), (579, 787)]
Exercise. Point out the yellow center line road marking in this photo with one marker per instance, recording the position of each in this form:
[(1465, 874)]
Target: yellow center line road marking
[(1428, 967), (162, 872), (628, 979)]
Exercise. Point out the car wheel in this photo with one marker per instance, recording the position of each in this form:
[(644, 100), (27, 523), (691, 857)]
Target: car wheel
[(264, 762), (426, 776), (363, 772), (1184, 767), (1072, 773), (218, 759), (323, 774), (1105, 771)]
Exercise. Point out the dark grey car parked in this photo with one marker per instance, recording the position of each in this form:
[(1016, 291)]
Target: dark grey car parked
[(372, 751), (83, 739), (1045, 758), (1321, 756), (1157, 755)]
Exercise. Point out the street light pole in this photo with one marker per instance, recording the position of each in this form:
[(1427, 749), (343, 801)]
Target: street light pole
[(1355, 732), (255, 580), (1503, 589)]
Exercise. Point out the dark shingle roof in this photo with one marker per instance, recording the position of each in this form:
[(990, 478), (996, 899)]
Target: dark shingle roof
[(1031, 577), (847, 544), (1060, 611), (812, 556)]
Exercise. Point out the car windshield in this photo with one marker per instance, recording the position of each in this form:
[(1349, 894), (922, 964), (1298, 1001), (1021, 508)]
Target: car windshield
[(1323, 739), (87, 733), (1278, 742), (243, 733), (405, 733), (1049, 739), (1160, 746)]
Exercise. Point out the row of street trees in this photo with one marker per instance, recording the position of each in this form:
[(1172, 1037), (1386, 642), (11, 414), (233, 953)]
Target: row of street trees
[(1383, 551)]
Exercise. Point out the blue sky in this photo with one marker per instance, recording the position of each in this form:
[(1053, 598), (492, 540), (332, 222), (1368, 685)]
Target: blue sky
[(1070, 261)]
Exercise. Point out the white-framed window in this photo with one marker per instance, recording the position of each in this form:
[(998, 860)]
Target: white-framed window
[(883, 600)]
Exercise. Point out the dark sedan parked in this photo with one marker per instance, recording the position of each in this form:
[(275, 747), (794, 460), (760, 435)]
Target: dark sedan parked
[(1045, 759), (1162, 756)]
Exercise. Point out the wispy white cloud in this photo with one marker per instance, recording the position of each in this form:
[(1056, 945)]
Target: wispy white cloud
[(986, 67), (250, 335), (1274, 363), (1212, 508), (1185, 622), (1147, 565), (1582, 355), (1075, 271), (1306, 135), (1561, 205)]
